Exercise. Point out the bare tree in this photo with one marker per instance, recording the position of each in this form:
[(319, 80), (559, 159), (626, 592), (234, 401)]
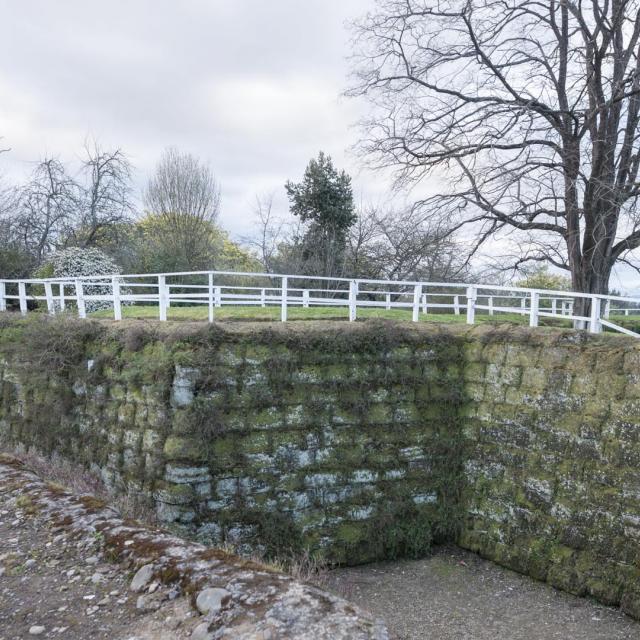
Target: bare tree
[(270, 230), (45, 208), (105, 193), (527, 112), (278, 240), (184, 197), (363, 242), (404, 245), (183, 187), (15, 262)]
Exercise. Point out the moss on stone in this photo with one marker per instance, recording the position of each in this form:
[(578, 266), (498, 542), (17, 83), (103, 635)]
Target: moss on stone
[(178, 448)]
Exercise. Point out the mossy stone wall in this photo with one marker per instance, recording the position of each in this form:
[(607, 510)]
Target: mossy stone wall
[(553, 464), (344, 440), (360, 442)]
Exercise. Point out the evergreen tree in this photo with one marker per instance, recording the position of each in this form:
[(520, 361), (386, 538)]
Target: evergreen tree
[(324, 201)]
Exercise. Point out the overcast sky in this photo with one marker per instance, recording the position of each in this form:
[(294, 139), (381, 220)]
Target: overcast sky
[(253, 87)]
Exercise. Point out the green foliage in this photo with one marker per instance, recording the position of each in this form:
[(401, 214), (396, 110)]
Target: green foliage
[(324, 196), (542, 278), (324, 200), (397, 530), (164, 245), (234, 258), (276, 534), (401, 531), (56, 345), (15, 262)]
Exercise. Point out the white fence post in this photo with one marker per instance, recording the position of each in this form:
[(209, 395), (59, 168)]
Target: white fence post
[(3, 300), (353, 303), (211, 300), (305, 298), (117, 303), (387, 299), (471, 304), (417, 293), (594, 321), (424, 304), (283, 301), (61, 298), (22, 294), (263, 297), (554, 306), (607, 309), (82, 309), (48, 294), (523, 305), (162, 297), (218, 296), (456, 305), (490, 305), (535, 308)]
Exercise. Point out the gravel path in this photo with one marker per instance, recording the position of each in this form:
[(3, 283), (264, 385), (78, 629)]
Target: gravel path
[(457, 595)]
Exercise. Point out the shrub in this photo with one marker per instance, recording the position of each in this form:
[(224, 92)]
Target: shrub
[(74, 262)]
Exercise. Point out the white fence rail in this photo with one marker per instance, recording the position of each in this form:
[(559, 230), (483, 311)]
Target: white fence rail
[(215, 289)]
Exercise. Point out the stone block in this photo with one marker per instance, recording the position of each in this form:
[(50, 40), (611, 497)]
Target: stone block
[(183, 387), (178, 448)]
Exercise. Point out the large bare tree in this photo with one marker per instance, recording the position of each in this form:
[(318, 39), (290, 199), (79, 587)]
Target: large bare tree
[(105, 193), (523, 113)]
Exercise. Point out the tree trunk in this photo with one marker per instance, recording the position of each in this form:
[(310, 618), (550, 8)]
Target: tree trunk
[(589, 277)]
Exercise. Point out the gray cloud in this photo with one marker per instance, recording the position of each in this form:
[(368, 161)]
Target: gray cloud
[(251, 86)]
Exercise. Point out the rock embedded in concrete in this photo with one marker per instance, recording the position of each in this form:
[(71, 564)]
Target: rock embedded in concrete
[(201, 632), (211, 600), (37, 630)]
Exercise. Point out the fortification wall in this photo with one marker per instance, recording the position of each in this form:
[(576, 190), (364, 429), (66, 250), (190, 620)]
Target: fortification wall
[(360, 441)]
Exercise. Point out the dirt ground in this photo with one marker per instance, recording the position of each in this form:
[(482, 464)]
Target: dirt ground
[(457, 595), (54, 586)]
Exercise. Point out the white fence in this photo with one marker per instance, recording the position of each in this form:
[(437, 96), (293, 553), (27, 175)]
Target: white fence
[(215, 289)]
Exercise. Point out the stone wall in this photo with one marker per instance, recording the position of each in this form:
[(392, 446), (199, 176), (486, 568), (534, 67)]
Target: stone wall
[(553, 462), (345, 440), (357, 441)]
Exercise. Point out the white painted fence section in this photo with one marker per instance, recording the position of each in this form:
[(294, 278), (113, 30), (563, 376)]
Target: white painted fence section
[(216, 289)]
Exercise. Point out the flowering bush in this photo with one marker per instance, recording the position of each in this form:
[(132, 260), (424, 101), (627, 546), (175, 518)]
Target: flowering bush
[(74, 262)]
